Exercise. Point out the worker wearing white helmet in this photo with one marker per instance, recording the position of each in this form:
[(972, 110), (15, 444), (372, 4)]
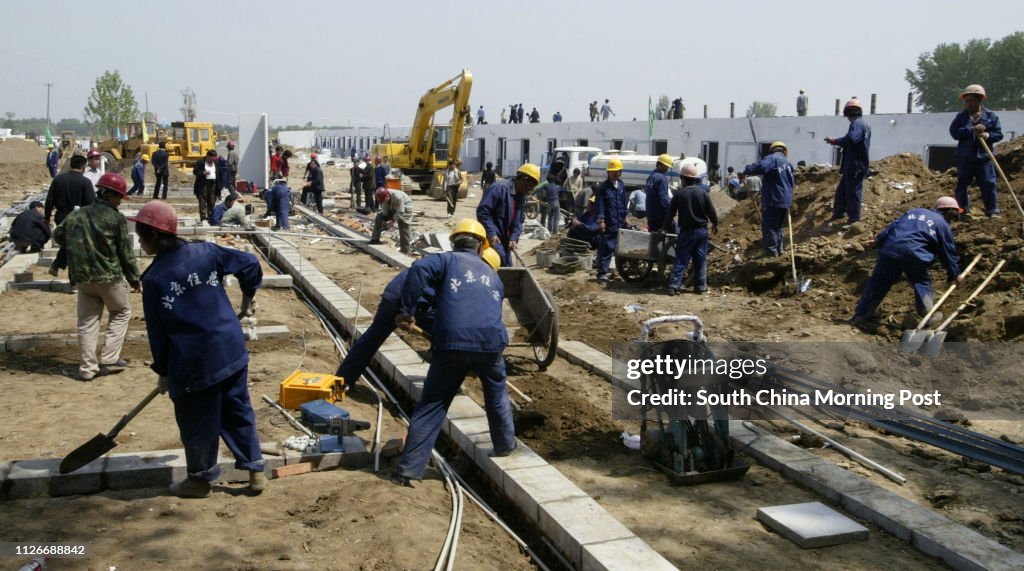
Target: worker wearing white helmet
[(971, 125), (695, 211), (776, 195)]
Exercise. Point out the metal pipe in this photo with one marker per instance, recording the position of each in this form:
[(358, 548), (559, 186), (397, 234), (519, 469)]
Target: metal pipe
[(291, 419), (698, 325)]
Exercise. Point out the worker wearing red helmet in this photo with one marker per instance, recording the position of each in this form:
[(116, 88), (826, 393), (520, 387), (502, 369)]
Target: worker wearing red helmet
[(855, 145), (395, 206), (197, 346), (969, 126), (100, 259)]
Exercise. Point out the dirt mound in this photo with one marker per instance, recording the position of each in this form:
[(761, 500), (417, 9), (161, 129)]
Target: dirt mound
[(21, 151), (840, 261)]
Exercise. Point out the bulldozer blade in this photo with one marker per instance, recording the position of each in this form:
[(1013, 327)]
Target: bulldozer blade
[(91, 450), (933, 345)]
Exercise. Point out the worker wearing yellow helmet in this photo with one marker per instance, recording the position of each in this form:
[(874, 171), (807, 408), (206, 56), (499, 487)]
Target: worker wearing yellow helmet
[(776, 195), (611, 215), (468, 336), (501, 210), (970, 127), (656, 189), (139, 176)]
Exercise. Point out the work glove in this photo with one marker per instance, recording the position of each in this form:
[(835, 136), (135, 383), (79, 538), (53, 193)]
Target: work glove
[(404, 321), (161, 384), (245, 310)]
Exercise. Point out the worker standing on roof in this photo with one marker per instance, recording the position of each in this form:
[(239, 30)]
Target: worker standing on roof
[(395, 206), (468, 337), (909, 246), (606, 110), (611, 215), (656, 190), (501, 210), (776, 195), (363, 350), (100, 260), (52, 160), (972, 162), (480, 116), (694, 208), (801, 104), (139, 175), (198, 349), (855, 145)]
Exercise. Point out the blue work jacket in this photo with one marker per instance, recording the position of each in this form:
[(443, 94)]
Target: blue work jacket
[(920, 234), (610, 205), (495, 211), (776, 180), (658, 199), (855, 144), (962, 129), (138, 172)]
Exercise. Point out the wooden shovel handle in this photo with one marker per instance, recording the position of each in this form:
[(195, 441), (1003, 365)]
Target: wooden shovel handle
[(974, 294), (131, 414), (935, 306)]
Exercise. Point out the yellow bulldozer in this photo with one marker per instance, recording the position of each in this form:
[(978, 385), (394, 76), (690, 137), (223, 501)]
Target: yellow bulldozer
[(186, 142), (424, 157)]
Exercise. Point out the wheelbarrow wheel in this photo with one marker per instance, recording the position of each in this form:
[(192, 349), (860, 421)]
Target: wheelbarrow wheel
[(545, 353), (632, 269)]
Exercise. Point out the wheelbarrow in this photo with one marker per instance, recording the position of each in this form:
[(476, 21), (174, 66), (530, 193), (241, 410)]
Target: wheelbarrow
[(535, 312), (639, 253)]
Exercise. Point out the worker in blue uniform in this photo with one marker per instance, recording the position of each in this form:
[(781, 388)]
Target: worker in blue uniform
[(52, 160), (695, 211), (909, 246), (468, 336), (502, 210), (611, 215), (584, 228), (776, 195), (280, 201), (197, 346), (972, 162), (658, 197), (855, 145), (362, 351)]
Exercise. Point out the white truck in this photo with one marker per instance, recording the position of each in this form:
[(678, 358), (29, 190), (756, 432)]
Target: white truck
[(593, 163)]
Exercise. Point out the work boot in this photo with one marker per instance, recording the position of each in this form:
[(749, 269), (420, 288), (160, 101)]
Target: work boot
[(53, 271), (375, 242), (672, 291), (400, 480), (121, 363), (190, 489), (935, 319), (504, 453), (257, 481)]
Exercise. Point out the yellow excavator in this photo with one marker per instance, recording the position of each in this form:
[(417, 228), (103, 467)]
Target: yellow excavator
[(424, 157)]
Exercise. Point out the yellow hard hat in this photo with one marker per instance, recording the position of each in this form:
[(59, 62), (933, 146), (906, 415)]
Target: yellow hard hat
[(665, 160), (778, 145), (49, 146), (531, 170), (491, 257), (614, 165), (145, 157), (973, 89), (471, 227)]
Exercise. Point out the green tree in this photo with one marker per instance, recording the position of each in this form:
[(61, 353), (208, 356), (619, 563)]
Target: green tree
[(762, 109), (942, 74), (111, 104), (9, 123)]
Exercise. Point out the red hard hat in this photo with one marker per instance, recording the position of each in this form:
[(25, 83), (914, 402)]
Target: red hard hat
[(382, 194), (158, 215), (113, 181), (312, 156), (231, 144), (94, 154)]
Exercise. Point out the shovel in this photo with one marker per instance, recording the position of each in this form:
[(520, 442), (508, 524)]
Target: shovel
[(801, 286), (984, 145), (933, 344), (914, 338), (102, 443)]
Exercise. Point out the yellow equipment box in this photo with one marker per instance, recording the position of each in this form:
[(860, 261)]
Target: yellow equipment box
[(302, 387)]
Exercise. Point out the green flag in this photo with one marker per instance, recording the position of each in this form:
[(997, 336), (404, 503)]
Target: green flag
[(650, 117), (49, 138)]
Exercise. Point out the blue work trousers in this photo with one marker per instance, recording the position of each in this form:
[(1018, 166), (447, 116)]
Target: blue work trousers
[(691, 244), (447, 371), (772, 220), (606, 244), (138, 187), (887, 272), (221, 411), (282, 208), (554, 218), (982, 171), (363, 350), (849, 194), (501, 248)]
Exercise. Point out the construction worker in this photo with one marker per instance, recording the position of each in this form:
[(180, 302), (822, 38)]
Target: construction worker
[(452, 182), (694, 207), (100, 259), (94, 167), (489, 176), (611, 215), (480, 115), (29, 231), (801, 104), (67, 193), (52, 160), (198, 349), (205, 186), (363, 350), (369, 181), (161, 170), (232, 171), (606, 110), (547, 194), (280, 201), (467, 336), (855, 145), (776, 195), (909, 246), (657, 196), (502, 210), (972, 162), (228, 213), (395, 206), (275, 163), (314, 183), (574, 186), (139, 175), (584, 226)]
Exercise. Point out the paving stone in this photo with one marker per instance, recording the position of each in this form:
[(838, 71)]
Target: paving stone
[(573, 523), (623, 555), (825, 478), (495, 468), (530, 487), (461, 429), (266, 332), (147, 470), (812, 524), (35, 478), (891, 512), (963, 548), (776, 453)]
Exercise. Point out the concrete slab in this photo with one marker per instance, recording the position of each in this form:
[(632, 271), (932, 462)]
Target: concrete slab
[(147, 470), (265, 332), (462, 429), (623, 555), (825, 478), (573, 523), (963, 548), (269, 281), (776, 453), (529, 488), (496, 468), (36, 478), (891, 512), (812, 524)]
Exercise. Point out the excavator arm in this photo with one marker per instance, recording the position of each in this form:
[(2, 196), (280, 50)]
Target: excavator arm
[(454, 92)]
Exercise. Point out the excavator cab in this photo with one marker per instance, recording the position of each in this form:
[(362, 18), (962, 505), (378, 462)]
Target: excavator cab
[(441, 143)]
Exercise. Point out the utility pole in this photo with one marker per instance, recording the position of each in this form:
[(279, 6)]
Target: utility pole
[(48, 86)]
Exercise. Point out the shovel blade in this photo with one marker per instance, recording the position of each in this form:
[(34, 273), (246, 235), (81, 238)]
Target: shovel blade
[(91, 450), (913, 339), (933, 345)]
